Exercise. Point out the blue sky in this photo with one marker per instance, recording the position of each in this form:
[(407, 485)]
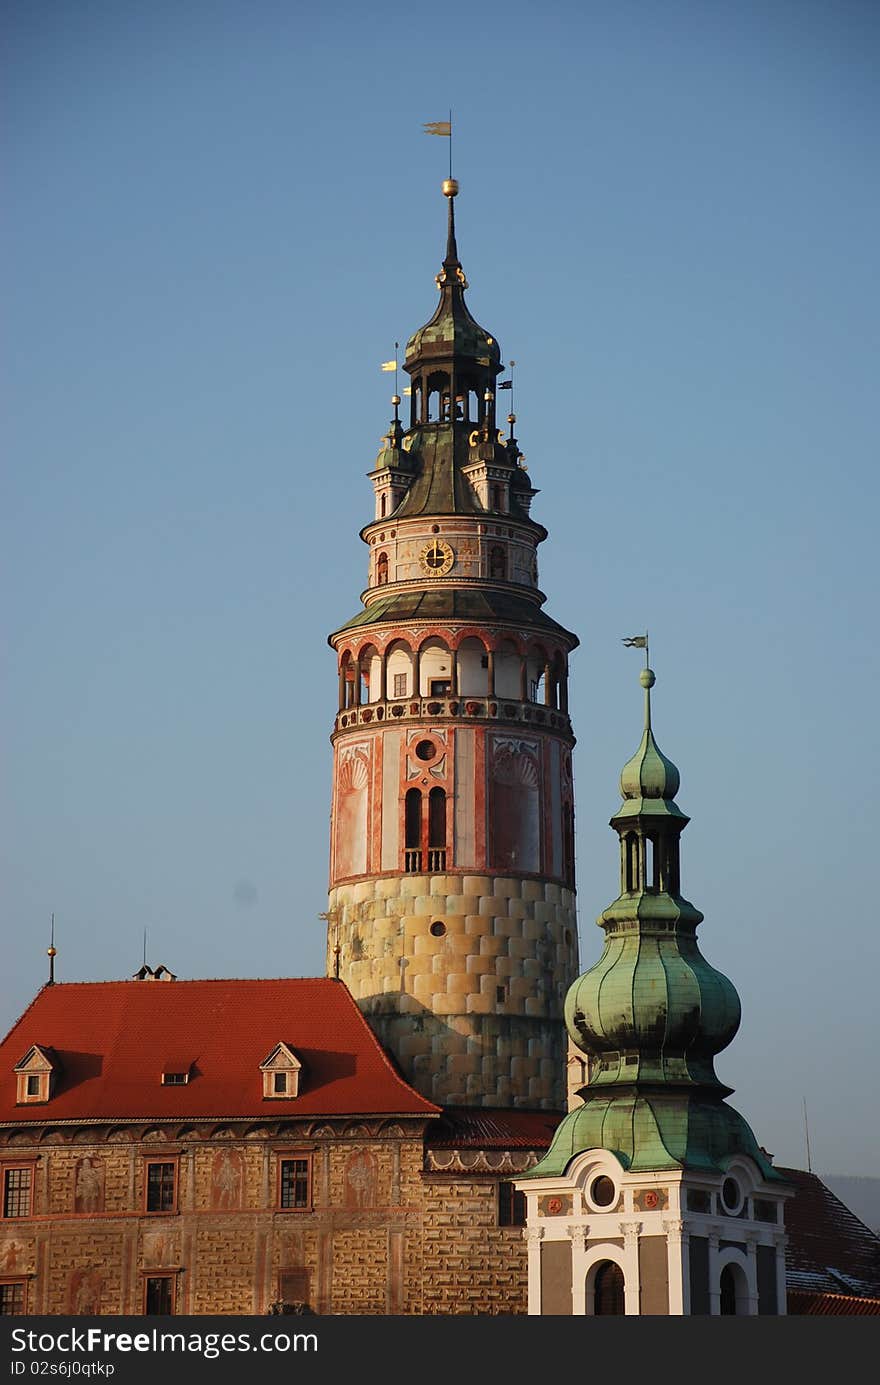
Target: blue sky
[(220, 217)]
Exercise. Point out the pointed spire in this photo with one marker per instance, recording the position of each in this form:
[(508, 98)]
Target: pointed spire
[(450, 192)]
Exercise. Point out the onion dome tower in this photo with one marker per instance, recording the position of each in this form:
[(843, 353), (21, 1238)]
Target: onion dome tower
[(451, 914), (665, 1200)]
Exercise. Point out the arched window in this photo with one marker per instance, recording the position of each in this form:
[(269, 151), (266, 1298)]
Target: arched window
[(497, 561), (608, 1291), (652, 864), (413, 830), (382, 563), (497, 498), (437, 829), (631, 844), (383, 505)]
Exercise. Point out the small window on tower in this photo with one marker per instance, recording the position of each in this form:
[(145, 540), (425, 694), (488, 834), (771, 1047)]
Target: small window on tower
[(497, 561), (399, 686)]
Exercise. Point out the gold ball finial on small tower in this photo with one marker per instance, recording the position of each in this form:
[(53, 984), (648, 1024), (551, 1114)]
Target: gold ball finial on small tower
[(52, 953), (450, 187)]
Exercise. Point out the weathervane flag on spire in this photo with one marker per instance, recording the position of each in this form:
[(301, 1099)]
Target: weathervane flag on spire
[(637, 642), (438, 127)]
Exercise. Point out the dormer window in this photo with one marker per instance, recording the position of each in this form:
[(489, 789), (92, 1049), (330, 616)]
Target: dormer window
[(35, 1075), (281, 1073), (176, 1071)]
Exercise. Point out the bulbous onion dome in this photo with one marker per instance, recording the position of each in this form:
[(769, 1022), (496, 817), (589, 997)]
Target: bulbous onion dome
[(654, 1002), (649, 774)]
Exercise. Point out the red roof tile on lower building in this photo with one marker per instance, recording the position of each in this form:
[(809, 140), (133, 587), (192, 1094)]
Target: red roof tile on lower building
[(831, 1305), (830, 1251), (462, 1127), (112, 1039)]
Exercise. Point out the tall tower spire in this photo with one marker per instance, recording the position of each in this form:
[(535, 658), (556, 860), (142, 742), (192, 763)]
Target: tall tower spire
[(451, 915), (653, 1158)]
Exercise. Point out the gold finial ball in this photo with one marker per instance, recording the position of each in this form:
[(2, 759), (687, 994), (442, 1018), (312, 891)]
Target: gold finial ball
[(395, 400), (450, 187), (646, 678), (511, 418), (51, 951)]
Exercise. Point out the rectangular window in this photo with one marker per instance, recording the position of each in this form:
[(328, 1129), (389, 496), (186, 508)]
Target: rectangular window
[(161, 1187), (17, 1192), (33, 1084), (294, 1184), (440, 687), (12, 1298), (174, 1079), (280, 1082), (159, 1295), (400, 685), (511, 1206)]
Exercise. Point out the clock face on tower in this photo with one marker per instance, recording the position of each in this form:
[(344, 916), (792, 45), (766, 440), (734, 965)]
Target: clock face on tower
[(436, 558)]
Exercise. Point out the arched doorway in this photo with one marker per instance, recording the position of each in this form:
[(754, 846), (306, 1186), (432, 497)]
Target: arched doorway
[(608, 1291), (733, 1292)]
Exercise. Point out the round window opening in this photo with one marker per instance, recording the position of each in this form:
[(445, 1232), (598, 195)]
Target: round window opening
[(438, 929), (731, 1195), (426, 750), (602, 1191)]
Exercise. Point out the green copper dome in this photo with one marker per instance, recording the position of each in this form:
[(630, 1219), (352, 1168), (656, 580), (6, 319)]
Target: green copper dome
[(652, 1013), (652, 1131), (652, 1008), (649, 774)]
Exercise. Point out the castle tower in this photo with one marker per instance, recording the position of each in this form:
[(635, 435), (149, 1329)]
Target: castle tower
[(654, 1197), (451, 912)]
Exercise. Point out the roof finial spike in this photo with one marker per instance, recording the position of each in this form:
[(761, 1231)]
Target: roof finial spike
[(646, 677), (450, 192), (51, 952)]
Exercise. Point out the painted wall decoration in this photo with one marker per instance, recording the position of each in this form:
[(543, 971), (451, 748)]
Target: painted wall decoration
[(360, 1180), (352, 785), (88, 1188), (515, 797), (227, 1179), (84, 1294), (16, 1257), (161, 1248)]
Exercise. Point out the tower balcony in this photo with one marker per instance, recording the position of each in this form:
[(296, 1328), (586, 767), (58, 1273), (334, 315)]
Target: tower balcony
[(457, 708)]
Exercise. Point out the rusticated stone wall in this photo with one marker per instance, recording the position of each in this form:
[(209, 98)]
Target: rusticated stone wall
[(463, 978)]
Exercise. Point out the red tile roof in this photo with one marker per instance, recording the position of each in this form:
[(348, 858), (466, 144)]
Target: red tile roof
[(112, 1039), (831, 1305), (462, 1127), (830, 1251)]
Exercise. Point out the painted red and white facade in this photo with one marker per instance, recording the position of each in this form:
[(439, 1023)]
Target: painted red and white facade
[(452, 912)]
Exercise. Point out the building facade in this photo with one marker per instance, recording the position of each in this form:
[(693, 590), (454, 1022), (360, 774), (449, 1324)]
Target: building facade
[(216, 1147)]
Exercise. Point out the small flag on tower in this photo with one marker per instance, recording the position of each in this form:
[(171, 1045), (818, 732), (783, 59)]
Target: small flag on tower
[(388, 365), (637, 642), (506, 385), (438, 127)]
